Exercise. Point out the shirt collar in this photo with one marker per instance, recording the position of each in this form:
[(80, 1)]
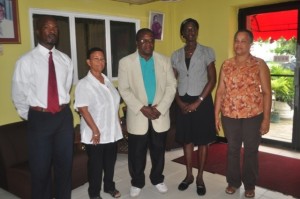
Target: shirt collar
[(90, 75), (45, 51), (143, 59)]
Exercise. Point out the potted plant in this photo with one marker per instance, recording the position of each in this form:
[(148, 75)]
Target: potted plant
[(283, 87), (275, 117)]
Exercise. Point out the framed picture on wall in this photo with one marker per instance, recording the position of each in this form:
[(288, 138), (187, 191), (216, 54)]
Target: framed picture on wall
[(9, 22), (156, 24)]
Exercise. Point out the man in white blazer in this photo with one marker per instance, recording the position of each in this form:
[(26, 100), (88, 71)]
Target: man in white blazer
[(147, 84)]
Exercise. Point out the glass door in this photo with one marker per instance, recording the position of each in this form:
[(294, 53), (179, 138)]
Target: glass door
[(275, 29)]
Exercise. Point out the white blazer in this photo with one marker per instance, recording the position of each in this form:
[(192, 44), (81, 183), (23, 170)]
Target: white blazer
[(132, 90)]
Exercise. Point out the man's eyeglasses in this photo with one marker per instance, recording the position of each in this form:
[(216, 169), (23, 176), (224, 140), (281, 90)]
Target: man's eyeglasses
[(150, 41), (98, 59)]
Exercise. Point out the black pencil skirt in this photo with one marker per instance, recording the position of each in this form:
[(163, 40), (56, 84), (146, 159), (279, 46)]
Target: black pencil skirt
[(197, 127)]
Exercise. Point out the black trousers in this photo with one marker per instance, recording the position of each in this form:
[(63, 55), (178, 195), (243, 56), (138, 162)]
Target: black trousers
[(50, 143), (137, 154), (101, 158)]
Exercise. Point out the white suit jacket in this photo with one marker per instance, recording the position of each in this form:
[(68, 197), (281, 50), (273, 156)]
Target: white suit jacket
[(132, 90)]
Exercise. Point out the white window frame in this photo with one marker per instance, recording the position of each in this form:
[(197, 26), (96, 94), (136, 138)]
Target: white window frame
[(72, 16)]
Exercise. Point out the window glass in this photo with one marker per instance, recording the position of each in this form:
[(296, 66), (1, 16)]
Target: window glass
[(89, 33), (122, 36), (79, 32)]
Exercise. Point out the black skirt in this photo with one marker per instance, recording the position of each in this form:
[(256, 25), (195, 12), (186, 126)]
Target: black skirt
[(197, 127)]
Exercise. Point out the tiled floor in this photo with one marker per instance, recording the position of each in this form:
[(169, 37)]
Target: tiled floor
[(174, 173)]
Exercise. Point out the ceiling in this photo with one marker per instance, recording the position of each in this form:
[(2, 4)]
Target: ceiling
[(139, 2)]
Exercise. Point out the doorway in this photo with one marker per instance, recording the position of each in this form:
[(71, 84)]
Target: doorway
[(276, 37)]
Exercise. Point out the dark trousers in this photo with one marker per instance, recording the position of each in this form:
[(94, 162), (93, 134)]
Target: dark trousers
[(238, 131), (137, 154), (50, 142), (101, 157)]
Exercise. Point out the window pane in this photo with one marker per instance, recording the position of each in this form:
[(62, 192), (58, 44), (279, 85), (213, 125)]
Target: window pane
[(64, 31), (89, 33), (122, 42)]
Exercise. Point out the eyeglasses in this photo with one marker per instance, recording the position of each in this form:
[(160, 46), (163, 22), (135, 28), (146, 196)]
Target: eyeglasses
[(150, 41), (98, 59)]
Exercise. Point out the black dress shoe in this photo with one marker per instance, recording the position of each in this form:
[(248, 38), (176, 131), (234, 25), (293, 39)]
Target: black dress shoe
[(184, 185), (97, 197), (201, 190)]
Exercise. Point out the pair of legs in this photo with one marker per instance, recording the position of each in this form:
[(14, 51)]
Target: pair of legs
[(137, 154), (101, 158), (238, 131), (196, 128), (201, 158), (50, 142)]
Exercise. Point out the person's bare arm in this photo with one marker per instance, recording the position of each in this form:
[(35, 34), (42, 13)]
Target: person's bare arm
[(91, 123), (211, 76), (267, 97), (218, 98)]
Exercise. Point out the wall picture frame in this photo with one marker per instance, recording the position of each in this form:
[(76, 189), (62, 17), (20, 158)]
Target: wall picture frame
[(156, 24), (9, 22)]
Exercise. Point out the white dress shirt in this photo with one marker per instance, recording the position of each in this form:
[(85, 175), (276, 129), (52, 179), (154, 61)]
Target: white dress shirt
[(30, 79), (103, 102)]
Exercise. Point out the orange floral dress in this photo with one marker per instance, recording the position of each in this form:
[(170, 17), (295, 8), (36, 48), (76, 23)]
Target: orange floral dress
[(243, 94)]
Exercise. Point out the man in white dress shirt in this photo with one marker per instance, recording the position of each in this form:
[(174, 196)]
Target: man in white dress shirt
[(50, 132)]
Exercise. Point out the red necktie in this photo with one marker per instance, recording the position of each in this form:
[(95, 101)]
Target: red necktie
[(53, 103)]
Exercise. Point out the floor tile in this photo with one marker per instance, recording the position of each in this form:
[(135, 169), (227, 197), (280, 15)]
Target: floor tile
[(174, 174)]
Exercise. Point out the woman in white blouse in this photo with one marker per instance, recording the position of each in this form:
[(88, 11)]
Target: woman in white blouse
[(97, 100)]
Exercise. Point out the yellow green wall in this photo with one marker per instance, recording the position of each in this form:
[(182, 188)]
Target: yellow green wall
[(217, 18)]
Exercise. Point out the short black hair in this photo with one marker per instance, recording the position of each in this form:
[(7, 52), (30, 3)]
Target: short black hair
[(41, 19), (92, 50), (249, 33), (189, 20), (142, 32)]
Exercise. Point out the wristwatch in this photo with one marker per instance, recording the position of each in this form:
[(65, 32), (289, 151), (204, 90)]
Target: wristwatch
[(200, 98)]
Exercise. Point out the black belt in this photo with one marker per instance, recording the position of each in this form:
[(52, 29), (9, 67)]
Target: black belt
[(41, 109)]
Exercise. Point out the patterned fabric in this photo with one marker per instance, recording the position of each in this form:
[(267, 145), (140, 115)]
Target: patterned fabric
[(243, 97)]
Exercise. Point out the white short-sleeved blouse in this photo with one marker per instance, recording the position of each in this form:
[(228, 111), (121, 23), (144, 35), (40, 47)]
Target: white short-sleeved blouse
[(102, 101)]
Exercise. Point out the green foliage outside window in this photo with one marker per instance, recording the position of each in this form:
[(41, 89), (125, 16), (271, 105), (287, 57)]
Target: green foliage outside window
[(286, 47), (282, 86)]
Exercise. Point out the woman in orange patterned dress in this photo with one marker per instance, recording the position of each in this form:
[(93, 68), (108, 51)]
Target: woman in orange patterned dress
[(243, 97)]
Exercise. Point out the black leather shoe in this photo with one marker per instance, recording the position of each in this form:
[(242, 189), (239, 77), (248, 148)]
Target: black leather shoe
[(201, 190), (184, 185), (97, 197)]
